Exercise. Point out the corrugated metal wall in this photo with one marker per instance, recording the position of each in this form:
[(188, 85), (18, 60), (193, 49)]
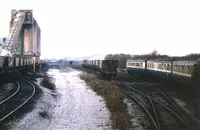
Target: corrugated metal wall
[(35, 36), (32, 39), (27, 40), (39, 41), (36, 39)]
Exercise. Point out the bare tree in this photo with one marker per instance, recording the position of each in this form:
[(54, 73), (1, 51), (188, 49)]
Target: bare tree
[(154, 52)]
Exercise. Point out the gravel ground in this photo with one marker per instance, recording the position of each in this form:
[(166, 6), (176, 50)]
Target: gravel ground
[(71, 106)]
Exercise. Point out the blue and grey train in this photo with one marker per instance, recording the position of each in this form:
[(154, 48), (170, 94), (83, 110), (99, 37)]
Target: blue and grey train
[(178, 67)]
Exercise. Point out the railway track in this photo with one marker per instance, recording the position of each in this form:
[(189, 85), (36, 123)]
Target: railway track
[(18, 87), (147, 105), (190, 120), (167, 117), (18, 99), (163, 114), (153, 108), (141, 104)]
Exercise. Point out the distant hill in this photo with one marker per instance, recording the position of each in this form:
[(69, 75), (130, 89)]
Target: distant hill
[(93, 57), (97, 57)]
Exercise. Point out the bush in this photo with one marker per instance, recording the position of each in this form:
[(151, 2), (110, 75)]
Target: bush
[(47, 82), (86, 77), (122, 58)]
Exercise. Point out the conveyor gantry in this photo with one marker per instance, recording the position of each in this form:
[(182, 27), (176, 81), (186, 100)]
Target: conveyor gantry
[(11, 43)]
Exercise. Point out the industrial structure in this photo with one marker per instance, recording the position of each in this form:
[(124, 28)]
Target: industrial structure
[(22, 45)]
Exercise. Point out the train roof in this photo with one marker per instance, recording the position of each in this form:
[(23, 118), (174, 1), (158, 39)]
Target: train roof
[(139, 58), (166, 58), (159, 59), (99, 60), (186, 58), (136, 60)]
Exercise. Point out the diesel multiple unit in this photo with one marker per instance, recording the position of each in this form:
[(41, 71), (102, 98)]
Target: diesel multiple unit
[(179, 67)]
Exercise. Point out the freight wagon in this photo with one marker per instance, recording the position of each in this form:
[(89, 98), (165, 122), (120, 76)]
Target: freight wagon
[(12, 63), (105, 67)]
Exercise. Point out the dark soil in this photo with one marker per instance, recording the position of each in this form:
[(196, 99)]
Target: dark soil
[(10, 77)]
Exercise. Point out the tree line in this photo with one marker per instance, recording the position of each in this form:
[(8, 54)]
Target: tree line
[(122, 58)]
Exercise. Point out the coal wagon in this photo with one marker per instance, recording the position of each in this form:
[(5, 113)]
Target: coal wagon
[(105, 67)]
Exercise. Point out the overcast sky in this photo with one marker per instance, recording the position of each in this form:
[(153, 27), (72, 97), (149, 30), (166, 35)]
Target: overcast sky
[(73, 28)]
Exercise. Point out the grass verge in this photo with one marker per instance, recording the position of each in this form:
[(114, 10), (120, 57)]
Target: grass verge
[(113, 98)]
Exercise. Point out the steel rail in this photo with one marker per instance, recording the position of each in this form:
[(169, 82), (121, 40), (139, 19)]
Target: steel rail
[(152, 119), (173, 104), (181, 119), (22, 103), (18, 87), (154, 110)]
